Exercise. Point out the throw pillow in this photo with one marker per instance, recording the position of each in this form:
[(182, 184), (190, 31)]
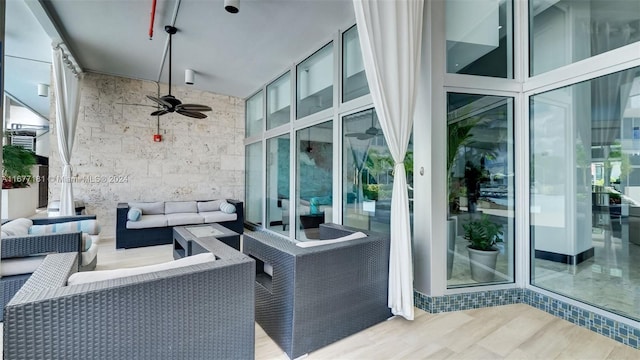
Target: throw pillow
[(227, 208), (17, 227), (134, 214), (207, 206), (87, 226)]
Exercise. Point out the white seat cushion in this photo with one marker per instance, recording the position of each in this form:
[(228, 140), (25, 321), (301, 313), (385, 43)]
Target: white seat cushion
[(18, 266), (217, 216), (101, 275), (184, 219), (355, 235), (148, 221)]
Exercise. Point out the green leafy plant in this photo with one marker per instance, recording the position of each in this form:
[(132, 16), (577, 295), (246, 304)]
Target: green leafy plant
[(482, 234), (17, 162)]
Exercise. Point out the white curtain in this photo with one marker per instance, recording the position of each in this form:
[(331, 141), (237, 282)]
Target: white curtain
[(391, 37), (67, 94)]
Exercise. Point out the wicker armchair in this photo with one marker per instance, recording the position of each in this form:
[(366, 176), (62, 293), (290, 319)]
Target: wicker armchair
[(315, 296), (18, 247), (203, 311)]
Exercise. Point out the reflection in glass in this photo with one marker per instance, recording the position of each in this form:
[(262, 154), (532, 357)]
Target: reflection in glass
[(585, 191), (314, 183), (279, 101), (253, 181), (278, 184), (368, 173), (480, 37), (354, 81), (253, 119), (314, 88), (575, 30), (480, 175)]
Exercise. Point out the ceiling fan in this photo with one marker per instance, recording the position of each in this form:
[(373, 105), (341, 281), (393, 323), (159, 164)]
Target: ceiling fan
[(367, 134), (169, 102)]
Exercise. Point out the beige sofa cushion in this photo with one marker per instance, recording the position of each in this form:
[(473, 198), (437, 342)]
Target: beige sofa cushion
[(148, 221), (101, 275), (149, 208)]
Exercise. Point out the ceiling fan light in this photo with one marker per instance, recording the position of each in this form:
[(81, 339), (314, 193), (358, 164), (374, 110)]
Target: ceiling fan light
[(232, 6), (188, 76)]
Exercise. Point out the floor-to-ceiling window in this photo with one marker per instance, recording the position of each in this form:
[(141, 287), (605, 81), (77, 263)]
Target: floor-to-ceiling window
[(584, 139), (367, 173), (278, 184), (480, 175), (480, 155), (585, 191), (253, 183), (314, 181)]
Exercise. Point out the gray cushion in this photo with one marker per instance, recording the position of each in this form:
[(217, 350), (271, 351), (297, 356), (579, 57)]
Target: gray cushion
[(206, 206), (172, 207), (184, 219), (148, 221), (149, 208), (17, 227), (217, 216)]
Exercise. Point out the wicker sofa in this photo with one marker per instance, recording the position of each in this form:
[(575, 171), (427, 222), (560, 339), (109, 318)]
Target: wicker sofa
[(203, 311), (22, 254), (161, 232), (307, 298)]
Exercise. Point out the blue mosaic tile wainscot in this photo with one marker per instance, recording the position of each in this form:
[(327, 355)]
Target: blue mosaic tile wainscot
[(610, 328)]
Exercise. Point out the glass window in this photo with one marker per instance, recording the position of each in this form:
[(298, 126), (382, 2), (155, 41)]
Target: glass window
[(314, 181), (585, 191), (314, 88), (279, 101), (480, 174), (354, 81), (367, 181), (480, 37), (253, 183), (278, 184), (254, 111), (573, 30)]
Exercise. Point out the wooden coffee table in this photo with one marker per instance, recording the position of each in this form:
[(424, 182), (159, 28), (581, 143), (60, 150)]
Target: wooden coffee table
[(184, 236)]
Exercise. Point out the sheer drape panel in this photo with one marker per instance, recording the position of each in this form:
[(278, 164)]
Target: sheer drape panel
[(391, 37), (67, 91)]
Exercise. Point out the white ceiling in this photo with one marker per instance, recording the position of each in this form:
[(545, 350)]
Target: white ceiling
[(231, 54)]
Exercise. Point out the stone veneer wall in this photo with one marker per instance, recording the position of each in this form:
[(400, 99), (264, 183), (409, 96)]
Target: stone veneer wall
[(115, 159)]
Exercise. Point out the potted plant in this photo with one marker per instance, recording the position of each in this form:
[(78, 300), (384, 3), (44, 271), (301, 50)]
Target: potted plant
[(459, 134), (483, 235), (17, 162)]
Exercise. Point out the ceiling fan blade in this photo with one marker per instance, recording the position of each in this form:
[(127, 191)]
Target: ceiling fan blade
[(129, 104), (193, 114), (159, 112), (364, 136), (159, 101), (193, 107), (353, 135)]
